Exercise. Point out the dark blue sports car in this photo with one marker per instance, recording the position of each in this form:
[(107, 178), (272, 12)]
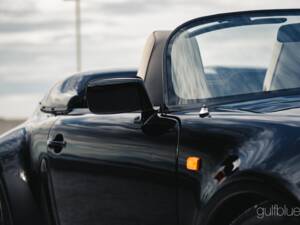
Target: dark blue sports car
[(206, 132)]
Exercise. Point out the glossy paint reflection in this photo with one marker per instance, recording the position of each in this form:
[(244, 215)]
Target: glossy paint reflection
[(233, 143), (114, 170)]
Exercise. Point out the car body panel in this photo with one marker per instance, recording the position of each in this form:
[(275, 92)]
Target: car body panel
[(15, 173), (120, 174), (234, 142)]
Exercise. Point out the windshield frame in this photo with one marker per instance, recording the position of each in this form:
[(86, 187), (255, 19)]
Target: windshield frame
[(197, 103)]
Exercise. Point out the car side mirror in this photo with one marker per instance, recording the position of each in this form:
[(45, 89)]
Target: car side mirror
[(118, 95)]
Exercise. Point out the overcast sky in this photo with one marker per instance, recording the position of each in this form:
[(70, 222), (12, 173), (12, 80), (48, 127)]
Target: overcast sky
[(37, 39)]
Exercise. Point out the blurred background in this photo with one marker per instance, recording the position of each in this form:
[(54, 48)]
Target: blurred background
[(38, 44)]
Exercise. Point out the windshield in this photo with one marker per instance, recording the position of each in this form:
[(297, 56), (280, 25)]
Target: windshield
[(236, 56)]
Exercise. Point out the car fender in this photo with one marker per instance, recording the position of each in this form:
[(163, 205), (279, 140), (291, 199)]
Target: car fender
[(235, 195), (23, 208)]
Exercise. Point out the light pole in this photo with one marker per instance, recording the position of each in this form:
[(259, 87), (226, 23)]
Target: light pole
[(78, 34)]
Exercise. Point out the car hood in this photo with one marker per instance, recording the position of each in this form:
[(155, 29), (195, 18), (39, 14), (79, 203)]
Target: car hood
[(278, 105)]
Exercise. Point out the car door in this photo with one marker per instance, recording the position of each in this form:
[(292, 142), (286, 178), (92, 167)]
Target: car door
[(106, 169)]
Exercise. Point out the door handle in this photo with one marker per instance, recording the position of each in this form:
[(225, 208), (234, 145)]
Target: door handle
[(57, 144)]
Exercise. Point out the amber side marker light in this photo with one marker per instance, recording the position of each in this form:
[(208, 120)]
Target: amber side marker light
[(193, 163)]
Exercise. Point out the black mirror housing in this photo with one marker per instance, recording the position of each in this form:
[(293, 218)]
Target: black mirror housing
[(117, 95)]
